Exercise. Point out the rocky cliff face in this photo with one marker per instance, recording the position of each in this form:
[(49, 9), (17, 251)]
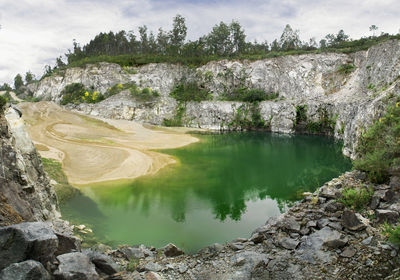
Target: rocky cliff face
[(346, 90), (25, 191)]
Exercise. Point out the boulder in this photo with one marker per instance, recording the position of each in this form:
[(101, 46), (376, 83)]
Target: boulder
[(384, 215), (375, 200), (31, 270), (151, 266), (395, 183), (313, 247), (170, 250), (138, 252), (328, 192), (353, 221), (35, 240), (67, 244), (288, 243), (212, 249), (236, 246), (152, 276), (257, 237), (103, 263), (348, 252), (75, 266), (290, 224)]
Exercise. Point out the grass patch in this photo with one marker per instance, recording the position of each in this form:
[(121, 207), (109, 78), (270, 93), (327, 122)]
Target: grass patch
[(356, 197), (63, 189), (379, 146), (144, 94), (392, 233), (346, 68)]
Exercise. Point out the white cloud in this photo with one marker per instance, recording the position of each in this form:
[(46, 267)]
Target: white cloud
[(35, 32)]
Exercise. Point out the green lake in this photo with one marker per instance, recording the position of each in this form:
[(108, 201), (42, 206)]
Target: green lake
[(223, 187)]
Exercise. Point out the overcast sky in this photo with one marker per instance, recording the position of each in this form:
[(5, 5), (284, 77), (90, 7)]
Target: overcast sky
[(34, 32)]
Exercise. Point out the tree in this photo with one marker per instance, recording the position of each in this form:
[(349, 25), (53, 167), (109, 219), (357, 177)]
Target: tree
[(290, 38), (373, 28), (178, 34), (312, 43), (144, 41), (341, 37), (322, 43), (5, 87), (275, 46), (18, 82), (162, 41), (219, 40), (238, 37), (47, 70), (334, 40), (59, 62), (29, 77), (152, 43)]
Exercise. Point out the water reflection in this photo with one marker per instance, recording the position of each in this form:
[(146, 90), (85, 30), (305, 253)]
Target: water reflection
[(218, 180)]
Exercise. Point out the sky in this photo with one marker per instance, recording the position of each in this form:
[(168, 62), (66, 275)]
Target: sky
[(34, 32)]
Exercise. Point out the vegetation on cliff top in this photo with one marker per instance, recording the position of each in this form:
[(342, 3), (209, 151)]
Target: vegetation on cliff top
[(224, 41)]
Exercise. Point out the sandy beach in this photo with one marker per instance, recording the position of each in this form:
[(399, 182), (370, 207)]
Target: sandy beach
[(96, 150)]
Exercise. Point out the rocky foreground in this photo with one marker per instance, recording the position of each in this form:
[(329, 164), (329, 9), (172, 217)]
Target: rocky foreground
[(318, 238)]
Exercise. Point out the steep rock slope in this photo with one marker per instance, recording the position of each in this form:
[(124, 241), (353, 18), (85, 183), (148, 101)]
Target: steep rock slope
[(25, 191)]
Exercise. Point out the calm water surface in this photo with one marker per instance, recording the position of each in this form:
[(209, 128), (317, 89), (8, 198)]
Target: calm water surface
[(222, 188)]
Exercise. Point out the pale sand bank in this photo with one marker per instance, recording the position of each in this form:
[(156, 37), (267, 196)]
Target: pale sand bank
[(96, 150)]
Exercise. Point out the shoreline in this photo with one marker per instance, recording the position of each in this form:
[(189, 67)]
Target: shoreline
[(108, 150)]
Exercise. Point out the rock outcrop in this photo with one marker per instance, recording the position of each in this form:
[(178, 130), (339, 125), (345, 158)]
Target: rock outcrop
[(345, 89), (25, 191), (317, 238)]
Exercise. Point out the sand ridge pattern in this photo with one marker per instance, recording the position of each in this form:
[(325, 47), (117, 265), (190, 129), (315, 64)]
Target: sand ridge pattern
[(93, 150)]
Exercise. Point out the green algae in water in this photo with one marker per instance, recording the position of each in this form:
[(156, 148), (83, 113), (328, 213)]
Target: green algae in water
[(222, 188)]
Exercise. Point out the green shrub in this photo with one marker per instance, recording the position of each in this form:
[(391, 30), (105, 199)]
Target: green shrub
[(3, 102), (77, 93), (356, 197), (301, 113), (250, 95), (132, 264), (190, 91), (379, 147), (115, 89), (392, 233), (346, 68), (144, 94), (129, 70)]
